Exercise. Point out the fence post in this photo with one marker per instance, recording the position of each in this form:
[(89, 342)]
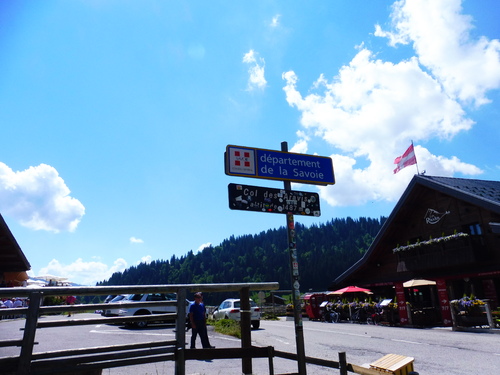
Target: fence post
[(246, 338), (180, 332), (491, 323), (24, 365), (342, 363)]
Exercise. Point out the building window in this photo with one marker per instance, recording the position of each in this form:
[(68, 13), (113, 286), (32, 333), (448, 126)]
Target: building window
[(475, 229)]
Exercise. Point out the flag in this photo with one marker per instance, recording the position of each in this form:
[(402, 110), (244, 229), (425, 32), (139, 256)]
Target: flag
[(408, 158)]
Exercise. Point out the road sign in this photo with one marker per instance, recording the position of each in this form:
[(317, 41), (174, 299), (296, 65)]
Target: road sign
[(279, 201), (278, 165)]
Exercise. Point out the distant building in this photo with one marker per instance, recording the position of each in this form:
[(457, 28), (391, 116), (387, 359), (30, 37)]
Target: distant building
[(13, 263), (442, 229), (277, 300)]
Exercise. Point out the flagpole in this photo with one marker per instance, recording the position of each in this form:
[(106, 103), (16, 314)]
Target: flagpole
[(416, 161)]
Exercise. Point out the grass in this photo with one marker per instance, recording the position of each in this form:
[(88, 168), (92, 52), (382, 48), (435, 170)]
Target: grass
[(227, 327), (269, 316)]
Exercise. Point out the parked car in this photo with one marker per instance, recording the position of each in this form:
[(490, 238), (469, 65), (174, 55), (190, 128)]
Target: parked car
[(146, 310), (115, 298), (230, 309)]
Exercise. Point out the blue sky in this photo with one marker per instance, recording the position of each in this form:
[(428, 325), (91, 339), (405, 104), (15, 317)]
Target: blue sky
[(115, 115)]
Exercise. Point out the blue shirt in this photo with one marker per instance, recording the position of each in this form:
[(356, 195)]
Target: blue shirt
[(198, 311)]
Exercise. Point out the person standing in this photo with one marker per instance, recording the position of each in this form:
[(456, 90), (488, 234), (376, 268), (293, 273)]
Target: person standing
[(70, 300), (198, 319), (8, 304)]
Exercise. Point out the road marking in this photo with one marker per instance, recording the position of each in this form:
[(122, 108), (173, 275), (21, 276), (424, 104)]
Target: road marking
[(340, 333), (142, 333), (410, 342), (283, 341)]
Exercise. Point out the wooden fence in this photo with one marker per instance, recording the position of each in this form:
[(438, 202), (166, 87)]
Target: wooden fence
[(90, 361)]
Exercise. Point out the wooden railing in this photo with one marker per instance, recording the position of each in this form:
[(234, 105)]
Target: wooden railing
[(93, 360), (98, 358)]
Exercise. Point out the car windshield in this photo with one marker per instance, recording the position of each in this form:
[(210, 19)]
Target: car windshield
[(237, 304), (153, 297), (135, 297), (119, 298)]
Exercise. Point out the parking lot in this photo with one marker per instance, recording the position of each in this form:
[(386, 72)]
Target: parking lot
[(434, 350)]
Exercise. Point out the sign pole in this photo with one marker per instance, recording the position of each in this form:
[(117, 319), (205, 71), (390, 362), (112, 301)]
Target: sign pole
[(294, 270)]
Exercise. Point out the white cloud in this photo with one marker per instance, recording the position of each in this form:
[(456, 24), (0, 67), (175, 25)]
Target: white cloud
[(256, 79), (84, 273), (373, 103), (145, 259), (39, 199), (275, 21), (300, 147), (441, 38), (202, 246), (135, 240), (360, 186), (372, 109)]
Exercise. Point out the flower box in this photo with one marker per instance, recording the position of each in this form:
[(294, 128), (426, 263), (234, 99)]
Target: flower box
[(472, 321)]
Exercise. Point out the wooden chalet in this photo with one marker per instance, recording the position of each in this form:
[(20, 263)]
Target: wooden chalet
[(13, 263), (443, 230)]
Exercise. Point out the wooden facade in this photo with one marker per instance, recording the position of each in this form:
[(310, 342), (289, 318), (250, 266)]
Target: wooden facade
[(442, 229), (12, 259)]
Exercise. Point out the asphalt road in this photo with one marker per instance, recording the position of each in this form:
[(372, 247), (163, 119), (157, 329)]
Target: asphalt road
[(436, 351)]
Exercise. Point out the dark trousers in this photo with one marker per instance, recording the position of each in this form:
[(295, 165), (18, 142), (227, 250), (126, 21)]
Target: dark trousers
[(201, 329)]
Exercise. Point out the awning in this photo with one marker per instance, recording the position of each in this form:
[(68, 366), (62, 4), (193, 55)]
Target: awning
[(418, 282)]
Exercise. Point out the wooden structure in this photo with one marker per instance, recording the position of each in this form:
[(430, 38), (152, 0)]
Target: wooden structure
[(13, 263), (442, 229), (91, 361), (394, 364), (84, 359)]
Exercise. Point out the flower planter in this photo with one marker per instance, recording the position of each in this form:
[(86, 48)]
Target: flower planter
[(472, 321)]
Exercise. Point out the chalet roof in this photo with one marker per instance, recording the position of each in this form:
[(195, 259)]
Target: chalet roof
[(479, 192), (12, 258), (482, 193)]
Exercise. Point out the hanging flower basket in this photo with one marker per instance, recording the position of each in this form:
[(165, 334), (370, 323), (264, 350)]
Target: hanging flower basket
[(432, 241)]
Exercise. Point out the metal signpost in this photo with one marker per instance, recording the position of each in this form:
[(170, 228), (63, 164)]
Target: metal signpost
[(286, 166)]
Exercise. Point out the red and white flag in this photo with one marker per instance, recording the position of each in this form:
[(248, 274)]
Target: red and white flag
[(408, 158)]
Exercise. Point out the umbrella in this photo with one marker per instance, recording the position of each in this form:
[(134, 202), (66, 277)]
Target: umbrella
[(16, 276), (35, 282), (350, 289), (51, 277), (418, 282)]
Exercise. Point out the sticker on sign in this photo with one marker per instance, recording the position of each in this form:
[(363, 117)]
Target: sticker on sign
[(279, 201)]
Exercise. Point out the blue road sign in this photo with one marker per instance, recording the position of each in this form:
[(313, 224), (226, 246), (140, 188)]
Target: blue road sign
[(278, 165)]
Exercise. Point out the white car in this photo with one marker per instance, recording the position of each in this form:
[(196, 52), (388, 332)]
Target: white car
[(230, 309), (144, 310)]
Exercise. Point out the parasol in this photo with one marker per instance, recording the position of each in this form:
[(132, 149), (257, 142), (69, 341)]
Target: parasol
[(51, 277), (350, 289), (418, 282)]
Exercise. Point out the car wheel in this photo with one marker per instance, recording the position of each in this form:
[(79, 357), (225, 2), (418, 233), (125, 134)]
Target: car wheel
[(255, 324), (141, 323)]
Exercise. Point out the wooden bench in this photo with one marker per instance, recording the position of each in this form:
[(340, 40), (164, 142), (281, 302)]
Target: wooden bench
[(394, 364)]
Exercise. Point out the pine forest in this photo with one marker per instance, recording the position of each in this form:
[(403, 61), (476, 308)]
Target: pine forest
[(325, 251)]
